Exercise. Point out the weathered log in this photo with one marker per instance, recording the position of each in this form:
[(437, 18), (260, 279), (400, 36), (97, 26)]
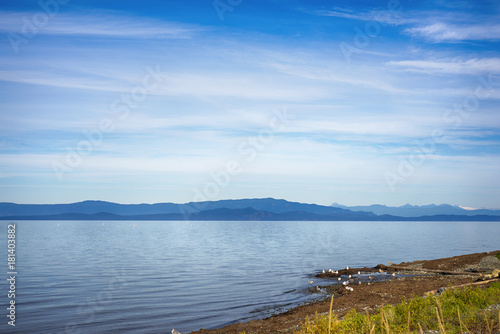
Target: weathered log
[(461, 286), (439, 271)]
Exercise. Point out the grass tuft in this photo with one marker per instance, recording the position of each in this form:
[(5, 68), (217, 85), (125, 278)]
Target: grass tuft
[(453, 311)]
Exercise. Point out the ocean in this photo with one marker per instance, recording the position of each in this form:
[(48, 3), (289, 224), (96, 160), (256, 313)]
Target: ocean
[(152, 276)]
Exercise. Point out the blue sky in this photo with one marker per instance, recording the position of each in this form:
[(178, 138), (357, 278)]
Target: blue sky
[(388, 102)]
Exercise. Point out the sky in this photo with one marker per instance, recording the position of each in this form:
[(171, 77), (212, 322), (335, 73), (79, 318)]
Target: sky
[(364, 102)]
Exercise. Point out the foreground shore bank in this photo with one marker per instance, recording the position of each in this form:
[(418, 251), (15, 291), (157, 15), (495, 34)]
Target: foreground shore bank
[(417, 279)]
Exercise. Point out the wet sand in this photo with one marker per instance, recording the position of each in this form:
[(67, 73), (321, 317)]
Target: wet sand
[(378, 287)]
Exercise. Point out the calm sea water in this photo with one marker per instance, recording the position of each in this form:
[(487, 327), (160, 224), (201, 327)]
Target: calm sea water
[(150, 277)]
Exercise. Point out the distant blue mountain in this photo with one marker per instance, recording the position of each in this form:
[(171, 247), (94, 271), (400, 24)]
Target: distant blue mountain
[(418, 211), (94, 207), (265, 204), (249, 214), (86, 207), (242, 209)]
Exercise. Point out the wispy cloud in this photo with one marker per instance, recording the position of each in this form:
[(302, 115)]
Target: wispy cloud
[(473, 66), (427, 24), (393, 17), (107, 24), (246, 85), (445, 32), (313, 72)]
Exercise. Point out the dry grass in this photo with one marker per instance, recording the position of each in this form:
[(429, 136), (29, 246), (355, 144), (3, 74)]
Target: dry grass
[(454, 311)]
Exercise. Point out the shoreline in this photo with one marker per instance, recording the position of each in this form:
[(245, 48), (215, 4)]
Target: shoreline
[(418, 278)]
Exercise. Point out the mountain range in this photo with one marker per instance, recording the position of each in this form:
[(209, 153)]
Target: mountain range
[(241, 209), (408, 210)]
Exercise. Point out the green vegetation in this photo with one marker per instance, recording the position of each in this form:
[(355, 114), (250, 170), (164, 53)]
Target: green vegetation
[(454, 311), (498, 256)]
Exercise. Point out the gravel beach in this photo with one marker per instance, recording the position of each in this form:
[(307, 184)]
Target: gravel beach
[(380, 285)]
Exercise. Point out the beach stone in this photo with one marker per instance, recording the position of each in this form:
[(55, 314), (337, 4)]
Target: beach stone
[(493, 307), (489, 263)]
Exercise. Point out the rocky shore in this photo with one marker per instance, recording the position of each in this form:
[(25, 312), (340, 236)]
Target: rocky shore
[(371, 288)]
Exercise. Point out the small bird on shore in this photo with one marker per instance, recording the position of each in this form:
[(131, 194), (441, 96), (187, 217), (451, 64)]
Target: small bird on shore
[(393, 274), (340, 278), (359, 273), (310, 282), (323, 271), (175, 332), (345, 282), (350, 276), (347, 268), (336, 272), (330, 271)]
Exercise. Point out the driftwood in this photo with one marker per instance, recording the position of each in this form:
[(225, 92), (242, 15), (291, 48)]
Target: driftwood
[(445, 272), (461, 286)]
